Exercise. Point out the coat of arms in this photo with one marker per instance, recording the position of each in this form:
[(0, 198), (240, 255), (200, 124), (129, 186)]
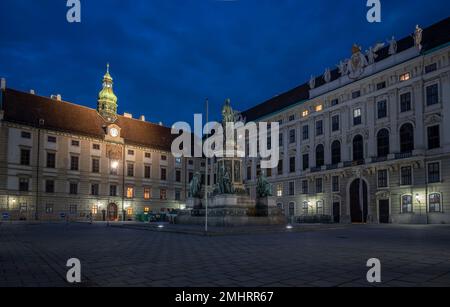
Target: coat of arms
[(357, 63)]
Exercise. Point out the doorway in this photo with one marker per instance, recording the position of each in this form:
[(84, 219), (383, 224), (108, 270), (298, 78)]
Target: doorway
[(112, 212), (336, 212), (357, 216), (383, 211)]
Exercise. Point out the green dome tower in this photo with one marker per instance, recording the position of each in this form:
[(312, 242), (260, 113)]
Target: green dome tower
[(107, 100)]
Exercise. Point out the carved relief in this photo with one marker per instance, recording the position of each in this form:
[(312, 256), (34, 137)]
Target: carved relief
[(114, 152), (433, 119), (383, 195)]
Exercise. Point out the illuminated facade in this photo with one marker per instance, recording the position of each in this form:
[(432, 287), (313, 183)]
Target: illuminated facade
[(383, 118), (72, 161)]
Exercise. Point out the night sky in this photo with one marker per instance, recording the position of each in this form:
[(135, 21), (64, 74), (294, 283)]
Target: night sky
[(167, 56)]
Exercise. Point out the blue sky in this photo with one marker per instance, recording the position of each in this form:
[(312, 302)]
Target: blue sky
[(167, 56)]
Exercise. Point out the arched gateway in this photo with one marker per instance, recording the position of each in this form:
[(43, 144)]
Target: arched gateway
[(112, 212)]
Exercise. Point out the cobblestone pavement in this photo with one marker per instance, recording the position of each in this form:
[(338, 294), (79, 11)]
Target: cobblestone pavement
[(36, 254)]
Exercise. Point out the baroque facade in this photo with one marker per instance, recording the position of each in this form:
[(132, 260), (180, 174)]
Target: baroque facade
[(371, 134), (60, 160)]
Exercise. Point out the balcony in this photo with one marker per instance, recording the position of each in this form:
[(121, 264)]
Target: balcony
[(354, 163), (404, 155), (316, 169), (379, 159), (332, 166)]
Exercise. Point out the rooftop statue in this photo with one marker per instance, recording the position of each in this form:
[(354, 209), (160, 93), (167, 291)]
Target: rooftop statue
[(418, 35), (392, 46), (372, 52)]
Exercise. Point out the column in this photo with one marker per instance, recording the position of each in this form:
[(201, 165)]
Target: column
[(419, 105), (326, 143), (346, 124), (445, 98), (371, 111)]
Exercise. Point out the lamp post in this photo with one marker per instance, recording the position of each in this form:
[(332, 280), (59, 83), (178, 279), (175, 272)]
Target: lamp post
[(114, 167), (420, 204)]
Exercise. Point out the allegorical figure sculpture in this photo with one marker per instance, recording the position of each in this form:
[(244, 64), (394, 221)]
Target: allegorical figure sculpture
[(224, 184), (392, 46), (195, 186), (372, 52), (343, 67), (312, 82), (263, 188), (418, 37), (327, 75)]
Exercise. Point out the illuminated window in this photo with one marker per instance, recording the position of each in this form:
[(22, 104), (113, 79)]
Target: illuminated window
[(319, 207), (130, 192), (94, 209), (357, 117), (319, 108), (129, 211), (407, 204), (405, 77), (305, 113), (434, 202), (146, 210), (147, 193), (163, 194), (279, 190)]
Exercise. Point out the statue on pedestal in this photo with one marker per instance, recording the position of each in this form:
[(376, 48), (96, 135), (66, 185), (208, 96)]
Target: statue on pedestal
[(224, 183), (263, 187), (195, 186)]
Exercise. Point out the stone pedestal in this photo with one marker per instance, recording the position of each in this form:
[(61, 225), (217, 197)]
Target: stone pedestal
[(193, 203), (228, 210)]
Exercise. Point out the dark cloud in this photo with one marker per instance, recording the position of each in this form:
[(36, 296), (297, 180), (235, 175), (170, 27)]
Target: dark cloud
[(168, 56)]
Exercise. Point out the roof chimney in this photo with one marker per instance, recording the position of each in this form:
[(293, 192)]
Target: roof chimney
[(160, 123), (142, 118), (127, 115), (3, 84), (58, 97), (32, 92)]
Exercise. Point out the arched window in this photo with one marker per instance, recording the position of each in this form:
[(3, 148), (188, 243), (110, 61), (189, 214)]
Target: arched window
[(336, 152), (383, 143), (320, 155), (358, 148), (407, 138), (434, 202)]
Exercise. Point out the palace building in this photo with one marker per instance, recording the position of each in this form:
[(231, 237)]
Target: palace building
[(60, 160), (373, 134)]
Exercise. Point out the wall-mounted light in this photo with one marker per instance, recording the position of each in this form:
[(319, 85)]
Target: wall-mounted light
[(114, 164), (418, 198)]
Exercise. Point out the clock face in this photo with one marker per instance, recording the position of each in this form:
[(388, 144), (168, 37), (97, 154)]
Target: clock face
[(114, 132)]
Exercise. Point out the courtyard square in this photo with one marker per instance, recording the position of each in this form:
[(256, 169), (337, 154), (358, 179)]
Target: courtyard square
[(36, 255)]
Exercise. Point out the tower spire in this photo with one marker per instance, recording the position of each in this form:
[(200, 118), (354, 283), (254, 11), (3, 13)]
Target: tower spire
[(107, 100)]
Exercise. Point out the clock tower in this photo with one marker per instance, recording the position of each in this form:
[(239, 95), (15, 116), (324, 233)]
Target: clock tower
[(107, 100)]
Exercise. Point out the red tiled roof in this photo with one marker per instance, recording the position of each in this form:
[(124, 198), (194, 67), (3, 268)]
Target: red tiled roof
[(29, 109)]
